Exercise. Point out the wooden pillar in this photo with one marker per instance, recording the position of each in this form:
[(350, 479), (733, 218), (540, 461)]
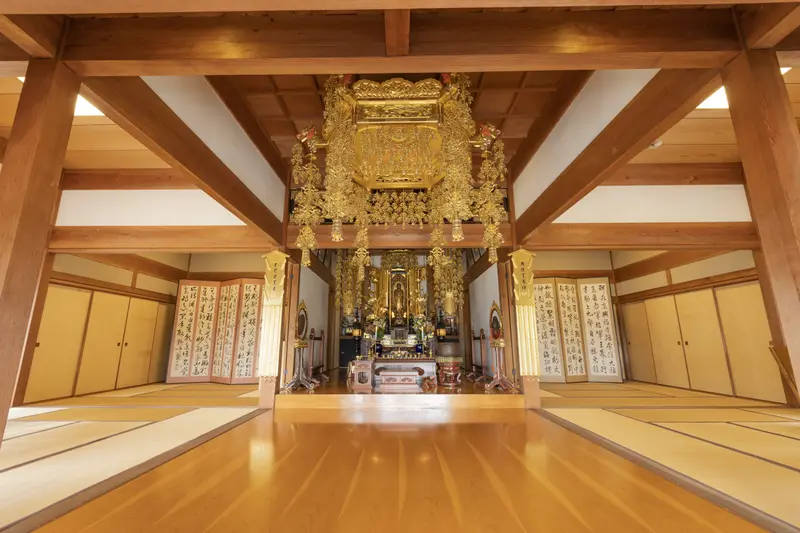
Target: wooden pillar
[(290, 319), (769, 144), (506, 284), (33, 332), (29, 193), (466, 331)]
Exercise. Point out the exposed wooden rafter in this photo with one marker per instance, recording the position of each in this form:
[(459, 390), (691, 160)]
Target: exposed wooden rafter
[(397, 25), (557, 105), (36, 35), (317, 266), (665, 100), (225, 87), (442, 42), (644, 236), (764, 26), (663, 262), (136, 239), (85, 7), (678, 174), (131, 104), (125, 179)]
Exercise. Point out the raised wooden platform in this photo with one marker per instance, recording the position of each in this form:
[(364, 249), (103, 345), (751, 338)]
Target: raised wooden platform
[(399, 401)]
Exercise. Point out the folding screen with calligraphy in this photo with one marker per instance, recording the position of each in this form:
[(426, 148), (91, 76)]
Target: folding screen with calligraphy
[(598, 330), (569, 315), (551, 358), (216, 332)]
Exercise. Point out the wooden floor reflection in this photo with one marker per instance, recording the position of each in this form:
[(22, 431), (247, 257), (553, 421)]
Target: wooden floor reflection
[(506, 471)]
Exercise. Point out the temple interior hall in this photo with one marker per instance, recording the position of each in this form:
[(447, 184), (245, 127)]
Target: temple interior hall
[(317, 266)]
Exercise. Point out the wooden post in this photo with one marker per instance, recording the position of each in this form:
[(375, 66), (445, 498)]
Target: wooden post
[(769, 144), (290, 320), (33, 332), (510, 353), (29, 193), (466, 331)]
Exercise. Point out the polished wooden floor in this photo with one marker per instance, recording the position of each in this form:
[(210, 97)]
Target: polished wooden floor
[(324, 471)]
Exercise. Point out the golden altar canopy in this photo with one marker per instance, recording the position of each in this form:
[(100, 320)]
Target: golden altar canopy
[(399, 152)]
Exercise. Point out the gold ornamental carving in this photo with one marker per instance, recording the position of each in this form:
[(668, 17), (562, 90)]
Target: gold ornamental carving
[(397, 88)]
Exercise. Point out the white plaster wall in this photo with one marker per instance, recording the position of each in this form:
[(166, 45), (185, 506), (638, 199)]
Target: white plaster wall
[(188, 207), (314, 292), (482, 292), (722, 264), (199, 106), (168, 258), (569, 260), (645, 283), (626, 257), (227, 262), (78, 266), (602, 98), (661, 203)]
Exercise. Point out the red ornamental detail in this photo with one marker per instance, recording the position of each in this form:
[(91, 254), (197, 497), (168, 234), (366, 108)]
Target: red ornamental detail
[(446, 78)]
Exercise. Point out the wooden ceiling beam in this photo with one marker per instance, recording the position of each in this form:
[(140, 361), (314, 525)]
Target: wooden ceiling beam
[(290, 43), (317, 266), (226, 89), (137, 239), (645, 236), (88, 7), (139, 264), (37, 35), (568, 88), (665, 100), (132, 105), (678, 174), (394, 237), (397, 26), (766, 25), (663, 262), (125, 179)]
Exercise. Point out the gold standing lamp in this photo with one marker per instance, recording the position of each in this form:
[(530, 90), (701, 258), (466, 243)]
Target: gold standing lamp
[(497, 343), (300, 378)]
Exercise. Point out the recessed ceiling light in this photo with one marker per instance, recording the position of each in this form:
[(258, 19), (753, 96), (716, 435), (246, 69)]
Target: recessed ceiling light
[(82, 106), (719, 100)]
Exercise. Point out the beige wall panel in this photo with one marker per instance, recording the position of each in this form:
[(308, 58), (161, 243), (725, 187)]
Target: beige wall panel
[(95, 137), (580, 260), (172, 259), (227, 262), (626, 257), (747, 335), (137, 347), (722, 264), (105, 159), (149, 283), (644, 283), (702, 342), (103, 344), (78, 266), (640, 353), (665, 337), (55, 359), (161, 340)]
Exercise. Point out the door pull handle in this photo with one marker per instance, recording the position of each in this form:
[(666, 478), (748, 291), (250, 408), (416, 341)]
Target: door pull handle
[(37, 345), (118, 344)]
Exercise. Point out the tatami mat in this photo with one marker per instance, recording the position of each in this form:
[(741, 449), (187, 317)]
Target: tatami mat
[(35, 486), (771, 447), (17, 428), (556, 387), (133, 391), (144, 401), (696, 415), (31, 447), (715, 401), (783, 412), (787, 429), (126, 414), (619, 393), (20, 412), (670, 391), (760, 484), (216, 386), (193, 393)]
